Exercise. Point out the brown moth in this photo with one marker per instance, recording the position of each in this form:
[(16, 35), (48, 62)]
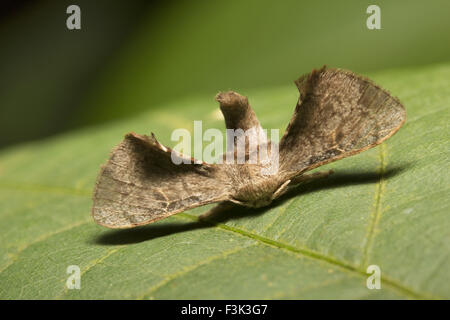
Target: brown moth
[(338, 114)]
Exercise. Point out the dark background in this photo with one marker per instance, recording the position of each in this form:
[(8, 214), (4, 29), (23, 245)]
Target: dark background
[(133, 55)]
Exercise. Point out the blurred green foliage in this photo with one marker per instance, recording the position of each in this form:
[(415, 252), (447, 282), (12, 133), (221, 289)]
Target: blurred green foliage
[(131, 56)]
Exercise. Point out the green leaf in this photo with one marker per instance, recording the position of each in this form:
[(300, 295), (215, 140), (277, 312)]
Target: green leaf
[(387, 207)]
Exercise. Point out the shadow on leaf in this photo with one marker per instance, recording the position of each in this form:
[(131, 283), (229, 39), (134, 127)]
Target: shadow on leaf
[(144, 233)]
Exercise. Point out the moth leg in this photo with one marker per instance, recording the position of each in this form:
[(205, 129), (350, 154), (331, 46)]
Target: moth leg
[(219, 208), (281, 190), (311, 176)]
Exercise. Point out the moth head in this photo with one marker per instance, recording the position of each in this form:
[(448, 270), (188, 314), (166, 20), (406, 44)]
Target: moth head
[(259, 194)]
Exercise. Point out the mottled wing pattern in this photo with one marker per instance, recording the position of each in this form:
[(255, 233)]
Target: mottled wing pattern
[(338, 114), (140, 184)]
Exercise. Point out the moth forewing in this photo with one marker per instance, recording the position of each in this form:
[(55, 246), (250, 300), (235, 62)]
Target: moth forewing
[(338, 115), (140, 184)]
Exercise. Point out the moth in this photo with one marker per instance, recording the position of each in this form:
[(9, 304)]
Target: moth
[(338, 114)]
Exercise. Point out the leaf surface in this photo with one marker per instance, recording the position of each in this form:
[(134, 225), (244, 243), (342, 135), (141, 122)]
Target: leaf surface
[(387, 206)]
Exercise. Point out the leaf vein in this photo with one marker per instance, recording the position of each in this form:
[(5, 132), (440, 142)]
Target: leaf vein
[(344, 266), (43, 237), (376, 212), (189, 269)]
